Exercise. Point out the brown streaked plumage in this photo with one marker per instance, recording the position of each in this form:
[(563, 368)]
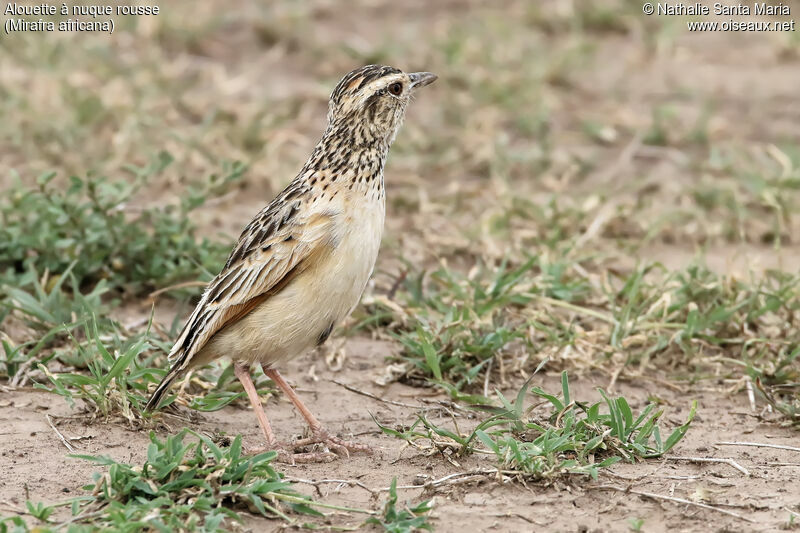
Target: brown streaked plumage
[(302, 264)]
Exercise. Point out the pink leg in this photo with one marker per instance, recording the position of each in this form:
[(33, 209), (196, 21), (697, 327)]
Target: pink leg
[(243, 373), (319, 434)]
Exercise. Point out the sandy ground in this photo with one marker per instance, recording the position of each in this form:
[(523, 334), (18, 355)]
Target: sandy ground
[(36, 465)]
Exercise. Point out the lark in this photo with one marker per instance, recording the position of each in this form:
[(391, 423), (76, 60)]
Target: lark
[(301, 265)]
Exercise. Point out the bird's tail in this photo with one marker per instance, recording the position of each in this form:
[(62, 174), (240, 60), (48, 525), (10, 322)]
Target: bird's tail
[(163, 387)]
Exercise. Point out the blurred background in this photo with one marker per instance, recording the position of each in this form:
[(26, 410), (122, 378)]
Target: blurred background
[(552, 120)]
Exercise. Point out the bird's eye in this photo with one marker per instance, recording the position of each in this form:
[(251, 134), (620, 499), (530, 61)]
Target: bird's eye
[(396, 88)]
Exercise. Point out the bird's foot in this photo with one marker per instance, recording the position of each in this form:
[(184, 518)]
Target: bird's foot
[(295, 453), (335, 444), (286, 454)]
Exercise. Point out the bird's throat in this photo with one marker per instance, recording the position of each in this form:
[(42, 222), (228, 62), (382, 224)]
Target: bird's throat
[(346, 160)]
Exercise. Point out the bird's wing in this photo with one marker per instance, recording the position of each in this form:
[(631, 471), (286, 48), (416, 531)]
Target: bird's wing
[(273, 249)]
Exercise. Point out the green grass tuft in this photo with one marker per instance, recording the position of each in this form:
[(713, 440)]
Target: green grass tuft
[(88, 229), (182, 486), (573, 438), (405, 520)]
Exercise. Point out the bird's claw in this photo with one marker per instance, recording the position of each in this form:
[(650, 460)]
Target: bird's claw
[(339, 446), (333, 447), (286, 454)]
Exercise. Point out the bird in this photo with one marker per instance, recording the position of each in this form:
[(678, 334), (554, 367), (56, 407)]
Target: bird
[(301, 265)]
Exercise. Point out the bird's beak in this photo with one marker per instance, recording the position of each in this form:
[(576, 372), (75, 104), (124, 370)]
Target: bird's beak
[(421, 79)]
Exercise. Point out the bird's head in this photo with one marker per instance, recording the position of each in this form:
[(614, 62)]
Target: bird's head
[(371, 101)]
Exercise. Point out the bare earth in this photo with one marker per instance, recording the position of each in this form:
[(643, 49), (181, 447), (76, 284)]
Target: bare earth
[(40, 470)]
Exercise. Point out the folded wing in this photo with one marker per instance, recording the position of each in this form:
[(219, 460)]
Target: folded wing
[(273, 249)]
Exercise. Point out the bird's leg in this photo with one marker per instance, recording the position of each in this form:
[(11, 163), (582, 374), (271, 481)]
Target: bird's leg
[(318, 433), (287, 456), (243, 373)]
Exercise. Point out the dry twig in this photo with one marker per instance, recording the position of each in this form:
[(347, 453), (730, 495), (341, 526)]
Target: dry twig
[(340, 482), (726, 461), (374, 397), (671, 499), (759, 445), (184, 285), (750, 395), (60, 436)]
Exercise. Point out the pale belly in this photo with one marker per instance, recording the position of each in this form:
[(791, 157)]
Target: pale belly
[(304, 312)]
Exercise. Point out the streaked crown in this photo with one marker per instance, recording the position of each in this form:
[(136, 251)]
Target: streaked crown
[(373, 99)]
